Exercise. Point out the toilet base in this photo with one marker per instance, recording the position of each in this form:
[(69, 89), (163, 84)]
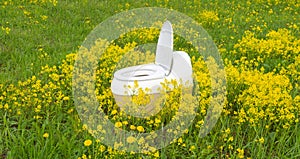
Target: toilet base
[(131, 107)]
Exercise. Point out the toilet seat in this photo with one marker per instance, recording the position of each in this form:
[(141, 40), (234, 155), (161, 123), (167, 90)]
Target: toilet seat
[(163, 60), (148, 76), (141, 73)]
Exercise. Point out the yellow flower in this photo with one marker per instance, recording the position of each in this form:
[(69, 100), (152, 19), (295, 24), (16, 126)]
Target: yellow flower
[(70, 110), (66, 98), (131, 139), (87, 142), (261, 140), (46, 135), (44, 17), (209, 17), (230, 138), (140, 129), (118, 124), (26, 13), (141, 141), (84, 127), (114, 112), (84, 156), (6, 106), (157, 121), (132, 127), (156, 154), (6, 29), (102, 148), (227, 131), (179, 140), (192, 148), (240, 153)]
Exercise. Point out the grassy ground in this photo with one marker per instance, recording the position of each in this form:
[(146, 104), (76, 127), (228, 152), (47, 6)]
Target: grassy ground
[(259, 42)]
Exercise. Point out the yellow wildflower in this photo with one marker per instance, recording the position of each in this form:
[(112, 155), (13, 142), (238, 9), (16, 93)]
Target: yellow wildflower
[(118, 124), (192, 148), (46, 135), (240, 153), (87, 142), (261, 140), (131, 139), (140, 129), (132, 127)]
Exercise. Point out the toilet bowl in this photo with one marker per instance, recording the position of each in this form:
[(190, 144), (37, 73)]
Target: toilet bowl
[(147, 79)]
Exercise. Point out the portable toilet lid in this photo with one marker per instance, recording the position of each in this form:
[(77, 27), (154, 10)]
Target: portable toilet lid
[(164, 49)]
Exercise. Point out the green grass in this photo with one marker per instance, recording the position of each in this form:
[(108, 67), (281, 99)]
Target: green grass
[(65, 28), (67, 25)]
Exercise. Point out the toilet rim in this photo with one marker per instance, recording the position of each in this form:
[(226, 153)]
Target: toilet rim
[(141, 73), (163, 60)]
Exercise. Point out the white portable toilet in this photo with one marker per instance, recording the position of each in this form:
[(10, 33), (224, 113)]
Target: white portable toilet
[(168, 65)]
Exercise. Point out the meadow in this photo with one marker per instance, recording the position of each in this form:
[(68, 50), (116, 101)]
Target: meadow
[(258, 42)]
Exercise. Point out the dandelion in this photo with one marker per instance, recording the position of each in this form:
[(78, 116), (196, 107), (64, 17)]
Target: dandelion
[(125, 122), (132, 127), (131, 139), (84, 127), (87, 142), (179, 141), (84, 156), (102, 148), (192, 148), (140, 129), (46, 135), (114, 112), (156, 154), (157, 121), (118, 124), (261, 140), (66, 98), (5, 106)]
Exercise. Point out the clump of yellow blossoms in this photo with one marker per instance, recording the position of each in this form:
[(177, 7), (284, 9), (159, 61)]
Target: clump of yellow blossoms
[(208, 17), (263, 87)]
